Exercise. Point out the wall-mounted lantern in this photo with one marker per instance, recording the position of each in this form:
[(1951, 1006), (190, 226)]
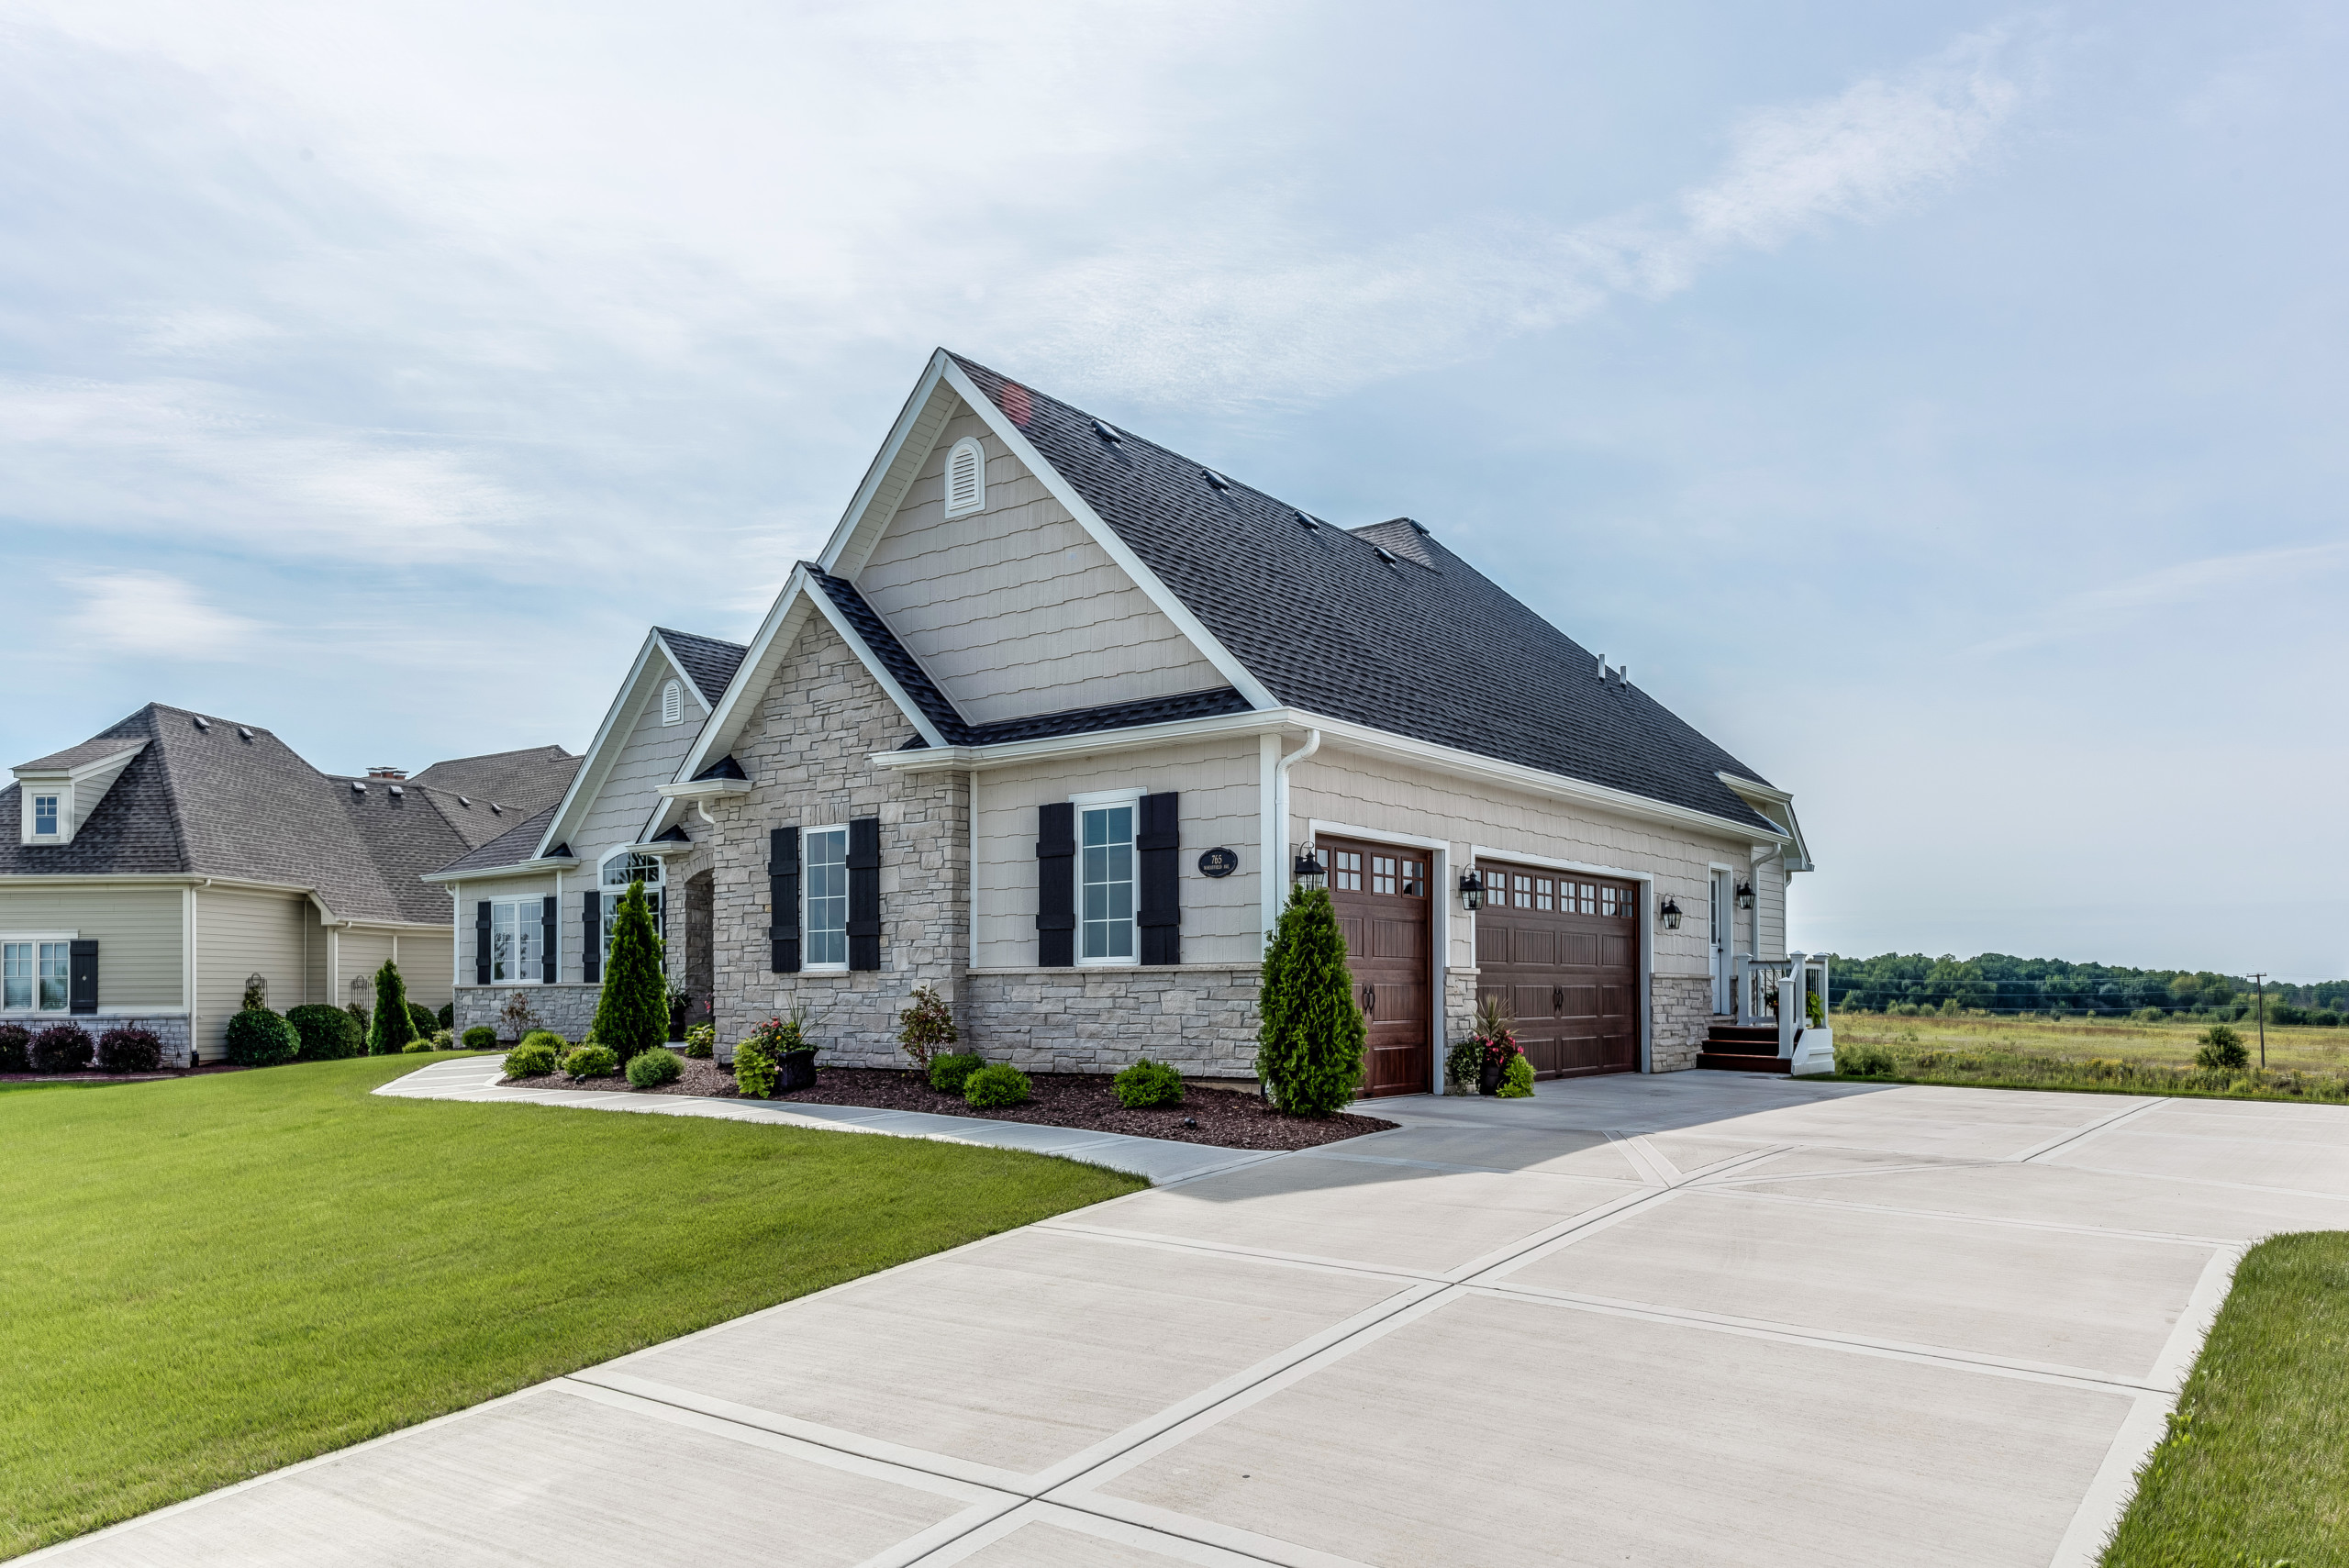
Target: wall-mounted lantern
[(1472, 891), (1745, 896), (1308, 871), (1669, 913)]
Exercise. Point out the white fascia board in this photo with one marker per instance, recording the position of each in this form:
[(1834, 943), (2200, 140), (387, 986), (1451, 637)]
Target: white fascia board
[(1316, 827), (1158, 593), (603, 752), (517, 868), (844, 554), (1778, 805), (131, 747)]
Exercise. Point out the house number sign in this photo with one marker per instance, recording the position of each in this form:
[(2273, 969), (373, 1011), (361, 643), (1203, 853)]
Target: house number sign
[(1218, 862)]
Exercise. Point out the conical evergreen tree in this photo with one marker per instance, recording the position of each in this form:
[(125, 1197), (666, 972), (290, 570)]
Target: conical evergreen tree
[(633, 1015), (390, 1030), (1310, 1042)]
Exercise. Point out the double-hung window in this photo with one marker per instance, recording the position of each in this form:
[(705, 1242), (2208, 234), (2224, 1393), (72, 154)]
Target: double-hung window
[(33, 976), (516, 935), (45, 816), (824, 875), (1104, 882)]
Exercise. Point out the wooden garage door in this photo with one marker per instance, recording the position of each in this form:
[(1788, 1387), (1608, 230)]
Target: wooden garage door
[(1381, 895), (1562, 951)]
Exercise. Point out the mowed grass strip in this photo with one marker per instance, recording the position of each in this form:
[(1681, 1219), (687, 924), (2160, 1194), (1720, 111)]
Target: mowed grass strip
[(2255, 1467), (206, 1279)]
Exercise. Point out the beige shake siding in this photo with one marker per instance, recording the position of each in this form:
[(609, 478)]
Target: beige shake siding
[(245, 931), (137, 928), (1015, 610)]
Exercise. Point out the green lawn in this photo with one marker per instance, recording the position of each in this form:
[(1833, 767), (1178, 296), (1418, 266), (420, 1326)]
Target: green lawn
[(204, 1279), (2117, 1056), (2254, 1471)]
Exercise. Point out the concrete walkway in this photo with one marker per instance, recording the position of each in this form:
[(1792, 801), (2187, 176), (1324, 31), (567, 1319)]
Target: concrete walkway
[(1706, 1321)]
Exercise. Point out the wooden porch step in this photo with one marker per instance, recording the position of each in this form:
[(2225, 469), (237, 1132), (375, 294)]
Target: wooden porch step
[(1719, 1047), (1734, 1061), (1763, 1032)]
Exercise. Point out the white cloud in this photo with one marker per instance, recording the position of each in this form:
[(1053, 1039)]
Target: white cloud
[(2096, 611), (149, 613)]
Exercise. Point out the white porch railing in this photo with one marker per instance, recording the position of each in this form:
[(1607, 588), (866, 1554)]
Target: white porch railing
[(1776, 991)]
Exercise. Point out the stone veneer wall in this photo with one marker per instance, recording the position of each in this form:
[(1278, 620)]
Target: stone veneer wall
[(1198, 1017), (1681, 1014), (1459, 1022), (566, 1008), (171, 1029)]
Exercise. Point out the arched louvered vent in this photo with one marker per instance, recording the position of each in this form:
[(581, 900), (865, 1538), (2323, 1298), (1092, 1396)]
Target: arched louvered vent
[(966, 478), (673, 703)]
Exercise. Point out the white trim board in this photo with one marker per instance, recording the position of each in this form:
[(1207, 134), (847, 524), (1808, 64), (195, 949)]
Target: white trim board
[(1549, 862)]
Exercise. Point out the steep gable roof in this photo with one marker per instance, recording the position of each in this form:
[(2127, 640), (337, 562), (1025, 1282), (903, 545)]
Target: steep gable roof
[(1414, 641), (706, 662)]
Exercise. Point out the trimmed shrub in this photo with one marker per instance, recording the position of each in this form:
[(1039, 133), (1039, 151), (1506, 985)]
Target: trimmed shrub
[(391, 1028), (1001, 1085), (650, 1069), (1310, 1047), (926, 1025), (590, 1062), (548, 1038), (2222, 1048), (753, 1071), (531, 1059), (1865, 1061), (424, 1021), (632, 1014), (327, 1034), (1517, 1079), (701, 1042), (1147, 1084), (949, 1072), (129, 1049), (15, 1048), (481, 1037), (446, 1018), (416, 1047), (62, 1047), (259, 1037)]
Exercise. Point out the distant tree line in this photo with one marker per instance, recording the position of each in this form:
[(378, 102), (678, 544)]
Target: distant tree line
[(2000, 983)]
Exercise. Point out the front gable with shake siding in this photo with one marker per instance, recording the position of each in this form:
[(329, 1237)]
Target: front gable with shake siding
[(1056, 715)]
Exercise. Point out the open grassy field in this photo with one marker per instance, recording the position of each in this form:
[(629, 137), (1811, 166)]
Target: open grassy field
[(2303, 1062), (205, 1279), (2254, 1471)]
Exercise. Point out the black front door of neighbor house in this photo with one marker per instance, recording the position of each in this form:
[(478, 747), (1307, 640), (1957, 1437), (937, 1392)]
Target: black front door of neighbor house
[(1381, 894), (1560, 951)]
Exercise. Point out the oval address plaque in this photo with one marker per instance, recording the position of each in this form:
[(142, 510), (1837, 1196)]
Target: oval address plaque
[(1218, 862)]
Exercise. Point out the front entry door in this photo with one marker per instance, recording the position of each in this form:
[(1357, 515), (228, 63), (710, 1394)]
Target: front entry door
[(1381, 894), (1560, 951), (1724, 907)]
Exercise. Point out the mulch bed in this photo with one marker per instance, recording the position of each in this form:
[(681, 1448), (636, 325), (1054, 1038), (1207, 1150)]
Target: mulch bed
[(1227, 1119)]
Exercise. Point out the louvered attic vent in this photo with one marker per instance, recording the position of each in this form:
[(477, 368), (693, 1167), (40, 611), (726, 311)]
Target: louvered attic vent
[(966, 478)]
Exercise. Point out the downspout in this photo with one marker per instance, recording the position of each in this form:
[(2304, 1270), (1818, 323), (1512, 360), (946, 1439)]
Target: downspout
[(1279, 855)]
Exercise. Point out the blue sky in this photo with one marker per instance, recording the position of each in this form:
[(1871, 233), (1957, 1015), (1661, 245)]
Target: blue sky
[(1940, 404)]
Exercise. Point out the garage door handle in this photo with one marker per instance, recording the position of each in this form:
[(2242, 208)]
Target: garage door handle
[(1557, 999), (1369, 998)]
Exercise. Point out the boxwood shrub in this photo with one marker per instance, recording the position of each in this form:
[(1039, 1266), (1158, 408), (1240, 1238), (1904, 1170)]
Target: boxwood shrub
[(62, 1047), (591, 1062), (259, 1037), (15, 1048), (327, 1034), (531, 1061), (1001, 1085), (950, 1073), (129, 1049), (423, 1020), (548, 1038), (481, 1037), (1147, 1084), (650, 1069)]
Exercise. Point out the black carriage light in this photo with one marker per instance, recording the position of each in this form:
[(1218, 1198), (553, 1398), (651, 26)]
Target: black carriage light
[(1669, 913), (1309, 870), (1472, 892), (1745, 896)]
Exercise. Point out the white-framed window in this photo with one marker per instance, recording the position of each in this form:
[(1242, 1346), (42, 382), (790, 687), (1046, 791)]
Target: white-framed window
[(619, 871), (45, 816), (966, 478), (517, 941), (673, 703), (33, 974), (823, 883), (1106, 892)]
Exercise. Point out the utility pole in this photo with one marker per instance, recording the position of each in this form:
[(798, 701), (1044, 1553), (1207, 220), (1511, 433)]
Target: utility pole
[(2261, 981)]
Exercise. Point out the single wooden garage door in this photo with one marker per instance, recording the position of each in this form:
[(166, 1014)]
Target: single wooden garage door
[(1561, 952), (1381, 895)]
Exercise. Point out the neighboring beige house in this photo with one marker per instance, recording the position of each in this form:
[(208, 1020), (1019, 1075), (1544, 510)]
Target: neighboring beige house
[(161, 864), (1058, 719)]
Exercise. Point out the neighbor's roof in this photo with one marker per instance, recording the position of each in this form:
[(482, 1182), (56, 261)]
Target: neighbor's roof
[(1421, 645), (516, 844), (215, 800)]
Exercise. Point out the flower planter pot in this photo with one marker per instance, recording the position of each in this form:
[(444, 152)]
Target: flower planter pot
[(795, 1070), (1489, 1078)]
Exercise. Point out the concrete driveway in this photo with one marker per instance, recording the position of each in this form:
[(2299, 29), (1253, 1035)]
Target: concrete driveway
[(1698, 1319)]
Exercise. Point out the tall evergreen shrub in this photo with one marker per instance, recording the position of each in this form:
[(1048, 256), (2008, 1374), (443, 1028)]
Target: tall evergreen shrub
[(632, 1014), (390, 1030), (1309, 1042)]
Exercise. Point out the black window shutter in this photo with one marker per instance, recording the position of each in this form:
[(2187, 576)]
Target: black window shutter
[(1056, 884), (1158, 909), (550, 939), (81, 976), (481, 943), (865, 892), (591, 937), (782, 892)]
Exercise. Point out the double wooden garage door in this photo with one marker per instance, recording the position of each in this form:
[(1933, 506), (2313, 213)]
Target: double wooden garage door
[(1561, 952)]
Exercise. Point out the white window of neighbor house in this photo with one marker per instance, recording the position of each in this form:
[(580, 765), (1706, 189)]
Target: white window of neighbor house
[(1105, 881), (45, 814), (824, 875), (966, 478), (33, 976)]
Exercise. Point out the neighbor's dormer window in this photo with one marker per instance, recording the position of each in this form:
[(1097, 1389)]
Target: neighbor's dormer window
[(966, 478), (44, 815)]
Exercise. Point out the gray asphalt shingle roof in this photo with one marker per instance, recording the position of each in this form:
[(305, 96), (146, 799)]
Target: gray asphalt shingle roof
[(88, 752), (1422, 644), (517, 843), (708, 661)]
